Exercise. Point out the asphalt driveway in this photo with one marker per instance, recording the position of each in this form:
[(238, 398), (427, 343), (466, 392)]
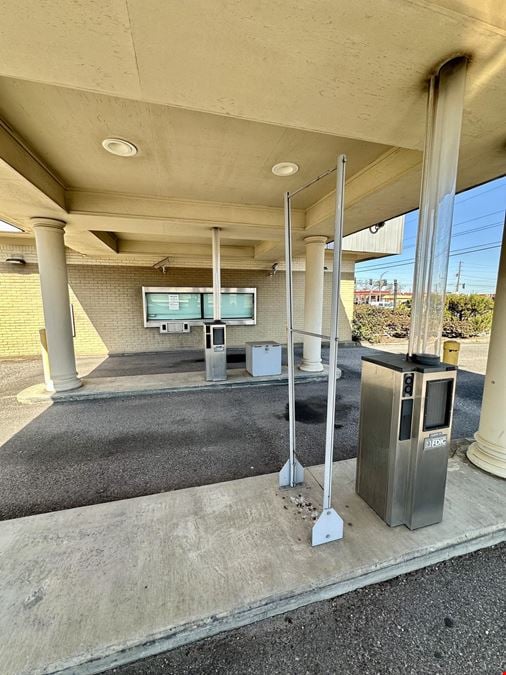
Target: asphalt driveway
[(446, 619), (71, 454)]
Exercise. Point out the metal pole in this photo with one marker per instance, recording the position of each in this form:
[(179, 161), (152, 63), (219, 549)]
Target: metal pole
[(216, 275), (329, 526), (336, 285), (289, 335), (297, 331), (312, 182), (457, 285), (292, 472)]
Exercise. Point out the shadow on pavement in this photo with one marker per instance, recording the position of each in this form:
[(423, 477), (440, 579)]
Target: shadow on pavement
[(87, 452)]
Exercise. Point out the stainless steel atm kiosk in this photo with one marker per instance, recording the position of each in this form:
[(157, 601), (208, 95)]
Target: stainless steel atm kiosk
[(405, 425), (407, 401), (215, 351)]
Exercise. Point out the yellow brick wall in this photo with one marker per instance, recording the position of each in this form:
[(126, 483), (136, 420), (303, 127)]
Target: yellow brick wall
[(20, 310), (107, 304)]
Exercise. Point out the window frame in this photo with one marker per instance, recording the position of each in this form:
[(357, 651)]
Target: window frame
[(196, 289)]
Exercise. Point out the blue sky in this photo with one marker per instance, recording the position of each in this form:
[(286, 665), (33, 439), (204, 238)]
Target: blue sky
[(478, 222)]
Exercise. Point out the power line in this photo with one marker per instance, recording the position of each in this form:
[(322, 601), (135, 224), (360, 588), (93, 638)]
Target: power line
[(471, 220), (464, 222), (478, 229), (473, 285), (462, 234), (463, 251), (461, 201)]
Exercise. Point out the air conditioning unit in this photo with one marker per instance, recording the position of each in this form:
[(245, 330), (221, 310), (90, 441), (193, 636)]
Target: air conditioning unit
[(174, 327)]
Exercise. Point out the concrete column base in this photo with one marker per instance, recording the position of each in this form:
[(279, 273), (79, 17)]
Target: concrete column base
[(66, 383), (487, 456), (311, 366)]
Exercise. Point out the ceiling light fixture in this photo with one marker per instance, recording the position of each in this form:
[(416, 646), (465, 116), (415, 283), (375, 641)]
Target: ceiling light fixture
[(119, 147), (285, 169)]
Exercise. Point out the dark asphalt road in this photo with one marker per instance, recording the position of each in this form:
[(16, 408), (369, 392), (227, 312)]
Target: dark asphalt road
[(448, 619), (75, 454), (445, 619)]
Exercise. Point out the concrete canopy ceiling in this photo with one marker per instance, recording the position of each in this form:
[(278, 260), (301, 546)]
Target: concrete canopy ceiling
[(182, 153), (214, 94)]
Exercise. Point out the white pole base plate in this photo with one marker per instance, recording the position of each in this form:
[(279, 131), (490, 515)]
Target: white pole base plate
[(328, 527), (284, 474)]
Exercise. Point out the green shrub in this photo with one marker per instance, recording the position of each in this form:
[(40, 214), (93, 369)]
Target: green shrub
[(376, 324), (453, 328), (465, 316), (474, 311)]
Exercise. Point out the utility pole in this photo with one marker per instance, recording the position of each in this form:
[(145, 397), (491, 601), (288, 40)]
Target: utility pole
[(457, 285), (396, 290)]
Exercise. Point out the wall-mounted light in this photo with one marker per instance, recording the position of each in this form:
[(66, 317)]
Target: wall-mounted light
[(15, 260)]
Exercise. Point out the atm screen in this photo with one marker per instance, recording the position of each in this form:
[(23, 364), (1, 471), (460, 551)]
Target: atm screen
[(438, 402), (219, 336)]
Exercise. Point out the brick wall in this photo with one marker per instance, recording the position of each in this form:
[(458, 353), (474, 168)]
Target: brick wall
[(107, 304)]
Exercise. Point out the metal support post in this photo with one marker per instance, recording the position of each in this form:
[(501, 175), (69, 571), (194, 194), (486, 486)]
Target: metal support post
[(329, 525), (292, 472)]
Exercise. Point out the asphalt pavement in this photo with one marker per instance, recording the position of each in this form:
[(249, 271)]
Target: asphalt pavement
[(448, 619), (79, 453)]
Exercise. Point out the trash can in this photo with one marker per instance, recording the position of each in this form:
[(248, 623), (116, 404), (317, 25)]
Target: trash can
[(263, 358), (451, 351)]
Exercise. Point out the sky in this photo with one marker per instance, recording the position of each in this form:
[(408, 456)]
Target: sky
[(478, 222)]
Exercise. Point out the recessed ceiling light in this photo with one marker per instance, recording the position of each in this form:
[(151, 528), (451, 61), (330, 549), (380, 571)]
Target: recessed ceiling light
[(119, 147), (285, 169)]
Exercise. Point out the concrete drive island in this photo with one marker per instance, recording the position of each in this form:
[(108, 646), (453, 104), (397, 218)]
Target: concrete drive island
[(89, 588)]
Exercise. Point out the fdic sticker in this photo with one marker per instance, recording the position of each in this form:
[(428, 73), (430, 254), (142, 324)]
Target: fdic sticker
[(435, 441)]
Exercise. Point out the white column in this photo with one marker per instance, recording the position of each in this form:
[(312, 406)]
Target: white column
[(313, 303), (216, 252), (489, 449), (56, 302)]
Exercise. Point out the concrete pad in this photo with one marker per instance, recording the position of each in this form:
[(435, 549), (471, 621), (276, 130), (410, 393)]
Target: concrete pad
[(89, 588), (146, 385)]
